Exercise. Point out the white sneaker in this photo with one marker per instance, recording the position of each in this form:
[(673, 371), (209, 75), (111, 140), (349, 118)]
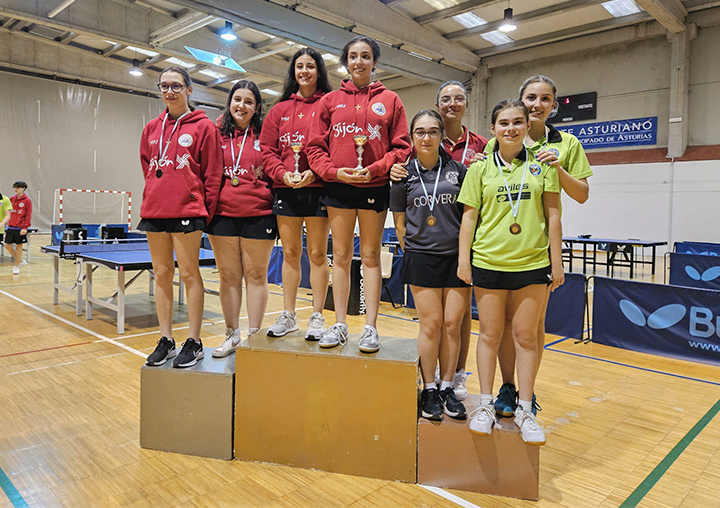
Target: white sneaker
[(458, 385), (369, 341), (286, 323), (229, 345), (23, 262), (316, 327), (16, 270), (531, 432), (483, 420), (337, 334)]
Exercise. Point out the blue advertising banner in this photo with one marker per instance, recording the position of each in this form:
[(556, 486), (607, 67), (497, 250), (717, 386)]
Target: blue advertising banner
[(672, 321), (706, 249), (695, 271), (634, 132)]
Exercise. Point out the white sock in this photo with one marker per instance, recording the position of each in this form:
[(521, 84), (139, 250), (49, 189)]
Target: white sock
[(486, 399), (526, 405), (445, 384), (431, 385), (252, 330)]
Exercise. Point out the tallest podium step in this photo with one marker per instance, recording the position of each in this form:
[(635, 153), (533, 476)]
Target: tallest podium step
[(337, 410)]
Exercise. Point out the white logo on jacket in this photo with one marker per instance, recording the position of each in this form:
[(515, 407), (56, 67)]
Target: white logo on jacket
[(185, 140), (442, 199), (156, 164), (21, 205), (469, 155), (339, 106), (374, 132), (452, 177), (284, 118), (288, 138), (182, 161), (340, 130), (154, 141), (378, 108)]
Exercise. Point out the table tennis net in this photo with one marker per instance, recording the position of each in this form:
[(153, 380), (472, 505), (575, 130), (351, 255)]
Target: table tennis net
[(76, 247)]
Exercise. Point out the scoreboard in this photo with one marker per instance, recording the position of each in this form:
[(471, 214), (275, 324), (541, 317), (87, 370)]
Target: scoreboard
[(572, 108)]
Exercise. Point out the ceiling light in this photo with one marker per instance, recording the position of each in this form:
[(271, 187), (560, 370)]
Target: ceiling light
[(135, 70), (227, 33), (508, 25)]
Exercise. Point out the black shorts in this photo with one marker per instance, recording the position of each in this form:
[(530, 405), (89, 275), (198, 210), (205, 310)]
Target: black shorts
[(14, 236), (304, 202), (188, 225), (252, 228), (431, 270), (492, 279), (342, 195)]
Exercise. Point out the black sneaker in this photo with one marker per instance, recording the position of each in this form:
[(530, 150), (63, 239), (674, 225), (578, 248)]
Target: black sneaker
[(431, 406), (164, 350), (191, 352), (451, 405)]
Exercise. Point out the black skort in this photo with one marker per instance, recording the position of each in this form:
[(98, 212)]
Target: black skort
[(493, 279), (186, 225), (431, 270), (342, 195), (14, 236), (252, 228), (303, 202)]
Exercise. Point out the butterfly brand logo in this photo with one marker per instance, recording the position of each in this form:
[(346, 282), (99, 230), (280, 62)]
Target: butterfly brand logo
[(700, 324), (708, 275)]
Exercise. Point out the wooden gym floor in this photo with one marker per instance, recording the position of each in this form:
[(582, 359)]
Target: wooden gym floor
[(623, 428)]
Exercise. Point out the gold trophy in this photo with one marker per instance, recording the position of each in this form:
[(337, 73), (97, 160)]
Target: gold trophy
[(296, 148), (360, 140)]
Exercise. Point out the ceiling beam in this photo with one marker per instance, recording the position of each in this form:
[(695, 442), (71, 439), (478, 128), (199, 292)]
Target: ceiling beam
[(568, 33), (16, 25), (113, 49), (66, 37), (670, 13), (125, 23), (272, 41), (184, 25), (304, 29), (455, 10), (155, 60), (57, 10), (545, 12)]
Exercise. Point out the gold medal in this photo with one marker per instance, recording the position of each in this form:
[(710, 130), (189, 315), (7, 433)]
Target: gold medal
[(431, 221), (515, 228), (235, 181)]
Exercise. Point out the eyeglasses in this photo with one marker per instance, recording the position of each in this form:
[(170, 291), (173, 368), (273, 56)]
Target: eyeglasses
[(175, 87), (433, 133), (447, 100)]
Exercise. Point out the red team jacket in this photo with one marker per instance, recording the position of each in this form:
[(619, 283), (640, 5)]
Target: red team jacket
[(21, 212), (374, 111), (253, 196), (288, 122), (473, 142), (191, 172)]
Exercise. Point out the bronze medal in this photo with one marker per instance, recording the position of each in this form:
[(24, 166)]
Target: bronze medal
[(158, 173), (515, 228), (235, 181), (431, 221)]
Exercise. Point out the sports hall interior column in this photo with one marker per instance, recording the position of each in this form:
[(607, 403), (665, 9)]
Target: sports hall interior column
[(477, 108), (679, 89)]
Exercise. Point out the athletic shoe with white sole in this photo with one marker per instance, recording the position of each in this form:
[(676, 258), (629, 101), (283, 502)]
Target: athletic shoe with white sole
[(483, 420), (430, 404), (190, 354), (229, 345), (164, 350), (316, 327), (459, 380), (369, 341), (16, 270), (336, 335), (530, 430), (506, 401), (451, 405), (286, 323), (23, 262)]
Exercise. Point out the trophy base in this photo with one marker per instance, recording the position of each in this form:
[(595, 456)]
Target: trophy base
[(296, 178)]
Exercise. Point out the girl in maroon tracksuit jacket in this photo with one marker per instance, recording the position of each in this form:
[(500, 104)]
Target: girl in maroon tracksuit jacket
[(243, 230), (181, 162), (297, 198), (357, 186)]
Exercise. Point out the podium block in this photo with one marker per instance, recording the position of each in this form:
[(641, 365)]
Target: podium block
[(337, 410), (189, 410), (451, 457)]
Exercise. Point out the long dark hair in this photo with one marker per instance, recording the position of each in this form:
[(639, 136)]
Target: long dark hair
[(227, 124), (291, 85), (187, 81), (435, 116)]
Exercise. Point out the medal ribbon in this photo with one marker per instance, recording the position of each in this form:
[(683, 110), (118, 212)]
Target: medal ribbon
[(516, 207), (164, 148), (236, 164), (547, 134), (431, 204)]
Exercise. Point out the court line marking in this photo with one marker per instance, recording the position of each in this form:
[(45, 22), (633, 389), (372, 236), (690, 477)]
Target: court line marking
[(450, 497), (11, 492), (43, 368), (649, 482), (46, 349), (75, 325)]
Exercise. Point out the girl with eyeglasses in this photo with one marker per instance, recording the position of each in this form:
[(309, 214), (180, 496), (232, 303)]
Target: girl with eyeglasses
[(243, 230), (182, 164), (427, 220), (358, 133)]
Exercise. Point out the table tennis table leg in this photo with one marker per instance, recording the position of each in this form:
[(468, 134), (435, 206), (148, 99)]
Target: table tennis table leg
[(653, 259), (56, 279), (151, 290), (88, 292), (78, 286), (181, 296), (121, 303)]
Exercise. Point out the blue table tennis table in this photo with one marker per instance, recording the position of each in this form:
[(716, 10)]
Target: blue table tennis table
[(123, 256)]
